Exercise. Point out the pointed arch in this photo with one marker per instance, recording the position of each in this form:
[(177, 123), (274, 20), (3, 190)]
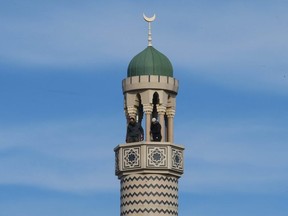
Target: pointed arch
[(139, 106), (155, 101)]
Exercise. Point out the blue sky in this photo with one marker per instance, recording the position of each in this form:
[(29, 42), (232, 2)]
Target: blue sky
[(61, 111)]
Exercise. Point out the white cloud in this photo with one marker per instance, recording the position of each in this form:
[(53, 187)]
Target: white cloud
[(233, 44), (72, 155), (80, 35), (242, 156)]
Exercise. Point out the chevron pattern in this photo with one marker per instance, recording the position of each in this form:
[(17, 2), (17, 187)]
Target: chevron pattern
[(144, 202), (146, 186), (149, 178), (145, 211), (149, 194)]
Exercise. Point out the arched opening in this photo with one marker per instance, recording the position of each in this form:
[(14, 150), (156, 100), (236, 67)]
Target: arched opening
[(139, 106), (166, 119), (135, 132), (155, 101)]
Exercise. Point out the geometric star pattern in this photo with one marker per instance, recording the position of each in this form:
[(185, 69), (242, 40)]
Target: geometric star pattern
[(157, 156), (131, 157), (177, 159)]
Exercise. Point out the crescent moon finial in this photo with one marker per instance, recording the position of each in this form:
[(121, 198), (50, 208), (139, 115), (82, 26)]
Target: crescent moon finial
[(149, 20)]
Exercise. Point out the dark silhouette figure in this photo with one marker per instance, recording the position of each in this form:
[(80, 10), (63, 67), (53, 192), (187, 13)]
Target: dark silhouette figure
[(135, 132), (156, 130)]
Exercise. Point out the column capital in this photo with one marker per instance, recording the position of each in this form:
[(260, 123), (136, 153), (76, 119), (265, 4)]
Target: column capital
[(170, 112), (131, 111), (161, 109), (147, 108)]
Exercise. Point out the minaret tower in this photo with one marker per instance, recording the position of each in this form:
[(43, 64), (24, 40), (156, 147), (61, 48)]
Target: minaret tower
[(148, 169)]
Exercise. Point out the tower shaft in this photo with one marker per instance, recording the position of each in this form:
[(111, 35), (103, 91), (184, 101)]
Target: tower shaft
[(149, 194), (149, 173)]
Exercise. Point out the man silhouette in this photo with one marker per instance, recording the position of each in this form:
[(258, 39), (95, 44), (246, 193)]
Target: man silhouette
[(155, 130)]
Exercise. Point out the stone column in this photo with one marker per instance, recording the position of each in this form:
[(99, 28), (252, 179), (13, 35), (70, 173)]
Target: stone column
[(147, 108), (170, 114), (161, 112)]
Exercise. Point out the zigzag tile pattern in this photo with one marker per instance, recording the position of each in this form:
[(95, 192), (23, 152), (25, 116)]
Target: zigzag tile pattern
[(146, 212), (143, 202), (149, 195), (148, 178), (146, 186)]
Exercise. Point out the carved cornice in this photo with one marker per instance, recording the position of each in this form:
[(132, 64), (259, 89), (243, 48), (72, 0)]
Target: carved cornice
[(150, 82)]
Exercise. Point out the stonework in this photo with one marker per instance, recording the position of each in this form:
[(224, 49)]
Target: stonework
[(153, 157), (149, 194), (177, 159), (157, 157), (131, 158), (149, 173)]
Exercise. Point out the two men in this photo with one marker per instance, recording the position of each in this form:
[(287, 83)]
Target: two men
[(135, 132)]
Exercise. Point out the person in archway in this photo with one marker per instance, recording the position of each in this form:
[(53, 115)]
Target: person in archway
[(155, 130), (135, 132)]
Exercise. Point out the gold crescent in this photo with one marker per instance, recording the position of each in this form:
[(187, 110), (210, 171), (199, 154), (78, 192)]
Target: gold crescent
[(149, 19)]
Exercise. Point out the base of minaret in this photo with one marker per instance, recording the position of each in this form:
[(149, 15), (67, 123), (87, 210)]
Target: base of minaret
[(149, 195), (149, 173)]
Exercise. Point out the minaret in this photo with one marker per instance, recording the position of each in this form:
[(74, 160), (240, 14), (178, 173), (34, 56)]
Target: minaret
[(149, 169)]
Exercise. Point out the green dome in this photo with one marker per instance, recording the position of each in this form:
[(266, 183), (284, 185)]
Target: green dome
[(150, 62)]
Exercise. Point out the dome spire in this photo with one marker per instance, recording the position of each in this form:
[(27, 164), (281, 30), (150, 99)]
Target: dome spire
[(149, 20)]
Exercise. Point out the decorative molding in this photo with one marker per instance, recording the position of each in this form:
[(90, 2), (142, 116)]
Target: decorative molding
[(149, 157), (146, 82)]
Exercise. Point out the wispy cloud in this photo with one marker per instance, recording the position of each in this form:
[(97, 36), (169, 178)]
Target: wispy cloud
[(247, 49), (242, 156), (57, 35), (67, 155)]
